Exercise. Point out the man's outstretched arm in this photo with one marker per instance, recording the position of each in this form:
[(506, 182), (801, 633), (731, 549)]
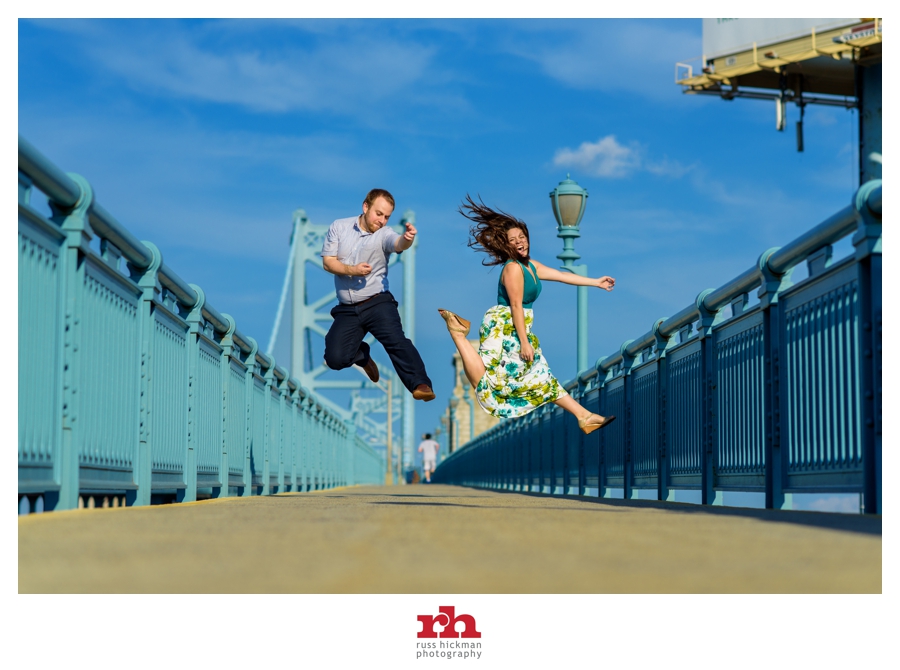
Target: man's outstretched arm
[(335, 267), (405, 241)]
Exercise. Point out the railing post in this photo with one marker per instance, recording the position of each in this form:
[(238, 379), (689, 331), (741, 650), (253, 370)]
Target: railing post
[(296, 431), (302, 437), (772, 285), (308, 439), (352, 448), (147, 280), (628, 433), (267, 452), (284, 434), (74, 223), (528, 441), (543, 446), (194, 320), (582, 458), (317, 414), (250, 363), (602, 488), (327, 447), (709, 495), (227, 344), (867, 243), (663, 492), (331, 433)]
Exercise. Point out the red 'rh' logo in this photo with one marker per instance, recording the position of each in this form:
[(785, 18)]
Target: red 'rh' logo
[(448, 620)]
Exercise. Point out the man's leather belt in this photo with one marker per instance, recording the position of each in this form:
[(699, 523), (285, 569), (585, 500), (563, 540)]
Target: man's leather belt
[(354, 304)]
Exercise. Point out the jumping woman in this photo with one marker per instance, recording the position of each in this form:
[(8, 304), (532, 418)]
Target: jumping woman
[(509, 373)]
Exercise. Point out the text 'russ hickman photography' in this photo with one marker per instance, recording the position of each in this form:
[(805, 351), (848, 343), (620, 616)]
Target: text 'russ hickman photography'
[(447, 642)]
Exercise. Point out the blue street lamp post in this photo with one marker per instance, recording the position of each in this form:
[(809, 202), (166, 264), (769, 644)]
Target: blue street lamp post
[(568, 200)]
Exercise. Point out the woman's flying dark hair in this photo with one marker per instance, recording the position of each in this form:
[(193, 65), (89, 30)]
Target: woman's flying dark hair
[(489, 234)]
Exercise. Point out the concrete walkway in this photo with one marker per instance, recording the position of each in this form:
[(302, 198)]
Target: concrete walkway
[(446, 539)]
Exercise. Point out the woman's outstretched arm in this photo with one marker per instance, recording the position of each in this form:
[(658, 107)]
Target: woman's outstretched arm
[(514, 281), (551, 274)]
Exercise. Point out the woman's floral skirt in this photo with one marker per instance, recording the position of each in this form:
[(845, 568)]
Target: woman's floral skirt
[(510, 386)]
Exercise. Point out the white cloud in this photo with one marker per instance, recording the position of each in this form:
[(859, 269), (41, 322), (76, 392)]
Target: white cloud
[(603, 158), (609, 159)]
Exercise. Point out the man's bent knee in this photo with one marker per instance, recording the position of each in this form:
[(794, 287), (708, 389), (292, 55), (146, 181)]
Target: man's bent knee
[(338, 360)]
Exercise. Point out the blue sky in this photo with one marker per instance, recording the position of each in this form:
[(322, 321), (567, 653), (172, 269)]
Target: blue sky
[(204, 136)]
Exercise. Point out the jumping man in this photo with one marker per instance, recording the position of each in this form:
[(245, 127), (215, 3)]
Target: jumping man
[(356, 252)]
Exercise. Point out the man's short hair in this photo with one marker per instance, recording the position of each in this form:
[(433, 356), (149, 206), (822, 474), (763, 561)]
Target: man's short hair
[(427, 436), (376, 193)]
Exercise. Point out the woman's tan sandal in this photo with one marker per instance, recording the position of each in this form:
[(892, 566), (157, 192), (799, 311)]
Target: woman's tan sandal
[(588, 428), (460, 325)]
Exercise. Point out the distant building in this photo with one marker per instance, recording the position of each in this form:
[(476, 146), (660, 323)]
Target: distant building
[(456, 423)]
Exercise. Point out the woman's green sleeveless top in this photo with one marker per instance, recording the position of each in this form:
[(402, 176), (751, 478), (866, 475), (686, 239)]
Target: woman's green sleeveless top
[(532, 287)]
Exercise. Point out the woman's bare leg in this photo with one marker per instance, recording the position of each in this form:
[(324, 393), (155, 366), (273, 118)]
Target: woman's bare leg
[(472, 363), (569, 404)]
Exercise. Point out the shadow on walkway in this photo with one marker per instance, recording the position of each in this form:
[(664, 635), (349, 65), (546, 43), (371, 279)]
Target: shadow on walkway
[(855, 523)]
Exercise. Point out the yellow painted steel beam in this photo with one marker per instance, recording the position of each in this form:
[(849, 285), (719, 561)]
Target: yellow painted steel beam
[(776, 56)]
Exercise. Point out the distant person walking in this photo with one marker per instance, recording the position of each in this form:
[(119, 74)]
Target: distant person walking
[(509, 372), (429, 449), (356, 252)]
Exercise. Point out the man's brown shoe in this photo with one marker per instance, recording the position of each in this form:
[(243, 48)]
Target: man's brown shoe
[(423, 392), (371, 370)]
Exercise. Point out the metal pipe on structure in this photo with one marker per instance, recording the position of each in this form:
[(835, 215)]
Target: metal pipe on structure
[(408, 318)]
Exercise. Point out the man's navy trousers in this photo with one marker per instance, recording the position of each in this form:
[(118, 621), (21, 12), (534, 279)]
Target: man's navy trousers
[(378, 315)]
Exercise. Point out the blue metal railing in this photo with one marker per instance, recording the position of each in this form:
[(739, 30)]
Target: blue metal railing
[(132, 385), (781, 397)]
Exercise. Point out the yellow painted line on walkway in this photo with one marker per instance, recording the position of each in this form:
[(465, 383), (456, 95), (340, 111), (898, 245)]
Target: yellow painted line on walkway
[(444, 539)]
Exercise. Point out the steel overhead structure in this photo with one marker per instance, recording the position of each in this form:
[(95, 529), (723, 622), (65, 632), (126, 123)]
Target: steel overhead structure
[(313, 316)]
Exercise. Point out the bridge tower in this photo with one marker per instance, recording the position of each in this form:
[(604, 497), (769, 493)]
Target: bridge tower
[(308, 316)]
